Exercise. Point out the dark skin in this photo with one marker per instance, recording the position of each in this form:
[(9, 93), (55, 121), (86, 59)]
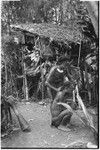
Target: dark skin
[(60, 115)]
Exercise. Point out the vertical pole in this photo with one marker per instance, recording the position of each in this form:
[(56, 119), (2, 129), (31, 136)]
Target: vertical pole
[(25, 83), (42, 73), (56, 55), (79, 55), (42, 76), (79, 61), (61, 11), (11, 81), (87, 81), (25, 87), (6, 84)]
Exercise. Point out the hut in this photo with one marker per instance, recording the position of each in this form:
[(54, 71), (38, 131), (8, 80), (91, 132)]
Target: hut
[(39, 34)]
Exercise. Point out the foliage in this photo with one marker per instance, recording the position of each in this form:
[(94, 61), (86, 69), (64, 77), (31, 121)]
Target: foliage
[(72, 15), (11, 63), (60, 20)]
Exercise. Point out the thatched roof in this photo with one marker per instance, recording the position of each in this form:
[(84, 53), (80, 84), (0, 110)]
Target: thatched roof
[(58, 33)]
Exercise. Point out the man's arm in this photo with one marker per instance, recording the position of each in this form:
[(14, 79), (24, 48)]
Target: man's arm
[(52, 87), (48, 79)]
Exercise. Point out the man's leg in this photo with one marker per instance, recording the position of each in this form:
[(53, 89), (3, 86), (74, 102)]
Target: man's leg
[(65, 115), (62, 119), (66, 119), (56, 121)]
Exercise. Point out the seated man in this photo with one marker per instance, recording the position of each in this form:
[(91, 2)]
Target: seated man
[(58, 80)]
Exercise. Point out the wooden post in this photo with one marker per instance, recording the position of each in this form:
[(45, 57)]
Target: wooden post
[(79, 55), (25, 87), (42, 73), (25, 83), (87, 81), (56, 55), (42, 77), (6, 82), (11, 81)]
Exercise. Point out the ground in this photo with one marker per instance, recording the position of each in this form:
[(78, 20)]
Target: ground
[(42, 135)]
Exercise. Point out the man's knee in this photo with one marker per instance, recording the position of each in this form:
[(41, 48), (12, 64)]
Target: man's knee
[(56, 121), (70, 113), (66, 119), (63, 119)]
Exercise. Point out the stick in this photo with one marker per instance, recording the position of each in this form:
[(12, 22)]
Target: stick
[(24, 125), (81, 119), (88, 116)]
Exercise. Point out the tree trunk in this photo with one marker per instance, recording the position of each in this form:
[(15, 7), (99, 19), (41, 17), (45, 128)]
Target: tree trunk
[(82, 76), (87, 82), (6, 83), (42, 77), (56, 16), (25, 87), (92, 7), (79, 55), (11, 81), (61, 11), (25, 83)]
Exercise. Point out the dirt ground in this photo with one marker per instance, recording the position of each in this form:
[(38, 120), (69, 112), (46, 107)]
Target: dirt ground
[(42, 135)]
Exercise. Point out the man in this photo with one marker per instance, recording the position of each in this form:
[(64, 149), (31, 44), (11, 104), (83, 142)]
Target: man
[(59, 81)]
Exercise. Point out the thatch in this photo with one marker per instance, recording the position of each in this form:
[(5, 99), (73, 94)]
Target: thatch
[(63, 33)]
